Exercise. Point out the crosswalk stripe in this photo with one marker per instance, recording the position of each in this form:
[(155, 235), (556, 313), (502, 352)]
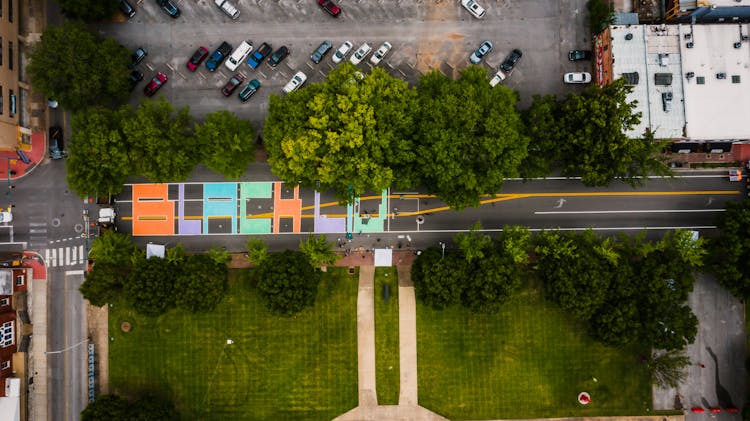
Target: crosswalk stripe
[(53, 260), (74, 259), (67, 256), (80, 253)]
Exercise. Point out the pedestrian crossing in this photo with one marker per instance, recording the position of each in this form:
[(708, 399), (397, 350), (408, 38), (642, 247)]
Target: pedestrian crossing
[(64, 256), (37, 232)]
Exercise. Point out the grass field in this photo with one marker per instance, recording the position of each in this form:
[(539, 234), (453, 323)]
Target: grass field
[(278, 368), (529, 360), (386, 337)]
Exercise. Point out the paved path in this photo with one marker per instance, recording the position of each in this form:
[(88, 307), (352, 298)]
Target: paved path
[(407, 337), (366, 337)]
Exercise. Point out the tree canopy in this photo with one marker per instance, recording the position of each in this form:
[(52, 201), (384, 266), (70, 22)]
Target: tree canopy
[(150, 287), (227, 143), (585, 136), (730, 253), (146, 408), (350, 134), (88, 10), (470, 137), (288, 282), (79, 68), (200, 282), (318, 250)]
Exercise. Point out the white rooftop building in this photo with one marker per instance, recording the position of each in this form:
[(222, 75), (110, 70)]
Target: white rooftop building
[(689, 81)]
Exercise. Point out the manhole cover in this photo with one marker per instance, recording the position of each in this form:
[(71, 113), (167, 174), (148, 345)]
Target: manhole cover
[(78, 227), (56, 222)]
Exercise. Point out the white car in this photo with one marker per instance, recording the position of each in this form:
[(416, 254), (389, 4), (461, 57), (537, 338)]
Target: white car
[(341, 53), (577, 77), (6, 217), (360, 54), (239, 55), (382, 51), (499, 77), (474, 8), (294, 84)]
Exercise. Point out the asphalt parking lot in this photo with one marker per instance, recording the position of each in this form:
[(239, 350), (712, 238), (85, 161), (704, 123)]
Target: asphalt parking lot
[(425, 35)]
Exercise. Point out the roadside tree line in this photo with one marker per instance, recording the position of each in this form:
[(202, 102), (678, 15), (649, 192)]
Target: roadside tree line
[(627, 290)]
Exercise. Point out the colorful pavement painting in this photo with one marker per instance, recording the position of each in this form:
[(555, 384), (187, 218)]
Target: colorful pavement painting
[(153, 212)]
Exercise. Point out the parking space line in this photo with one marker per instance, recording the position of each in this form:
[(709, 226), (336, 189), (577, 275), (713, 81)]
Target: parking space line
[(321, 72), (309, 65), (169, 66), (263, 74), (150, 67), (202, 75)]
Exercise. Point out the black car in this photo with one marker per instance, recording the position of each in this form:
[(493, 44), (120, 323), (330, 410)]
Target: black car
[(511, 61), (56, 146), (138, 55), (169, 7), (127, 9), (135, 77), (278, 56), (578, 55)]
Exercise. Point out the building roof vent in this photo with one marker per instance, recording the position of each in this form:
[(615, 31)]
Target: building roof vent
[(738, 45), (689, 45), (628, 36)]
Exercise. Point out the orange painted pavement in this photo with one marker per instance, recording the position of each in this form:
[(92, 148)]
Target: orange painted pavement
[(286, 208), (152, 217)]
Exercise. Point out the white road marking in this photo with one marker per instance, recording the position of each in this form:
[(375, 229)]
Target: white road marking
[(80, 253), (73, 272), (73, 257), (604, 212), (53, 260), (67, 256)]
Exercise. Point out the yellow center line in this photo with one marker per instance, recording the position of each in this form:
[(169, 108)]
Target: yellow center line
[(496, 199)]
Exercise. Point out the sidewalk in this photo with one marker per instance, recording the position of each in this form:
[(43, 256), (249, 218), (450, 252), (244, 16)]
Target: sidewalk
[(38, 390)]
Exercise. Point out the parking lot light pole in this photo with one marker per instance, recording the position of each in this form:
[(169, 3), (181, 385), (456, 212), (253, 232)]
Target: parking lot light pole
[(442, 246)]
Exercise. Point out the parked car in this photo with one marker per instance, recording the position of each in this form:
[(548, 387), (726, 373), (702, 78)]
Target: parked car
[(227, 7), (478, 54), (156, 83), (197, 58), (294, 84), (329, 6), (577, 77), (127, 9), (341, 53), (321, 51), (360, 54), (380, 53), (249, 90), (56, 145), (474, 8), (257, 57), (218, 56), (232, 84), (138, 55), (135, 77), (510, 62), (499, 77), (578, 55), (278, 56), (170, 8), (239, 55)]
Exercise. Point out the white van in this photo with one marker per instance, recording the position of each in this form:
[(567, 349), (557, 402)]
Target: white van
[(228, 8), (239, 55)]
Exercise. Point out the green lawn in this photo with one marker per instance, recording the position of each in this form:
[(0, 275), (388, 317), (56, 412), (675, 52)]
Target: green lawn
[(529, 360), (386, 337), (278, 368)]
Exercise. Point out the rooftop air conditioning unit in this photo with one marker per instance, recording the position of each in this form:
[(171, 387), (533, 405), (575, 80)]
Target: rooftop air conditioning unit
[(721, 75), (738, 45), (688, 36), (745, 38), (690, 75), (689, 45)]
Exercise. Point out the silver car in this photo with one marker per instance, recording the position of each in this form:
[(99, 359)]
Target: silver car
[(478, 54)]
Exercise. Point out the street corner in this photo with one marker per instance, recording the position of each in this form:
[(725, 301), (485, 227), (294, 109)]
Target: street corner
[(33, 260), (21, 161)]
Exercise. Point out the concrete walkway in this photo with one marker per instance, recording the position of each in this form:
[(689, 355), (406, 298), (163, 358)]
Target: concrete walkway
[(407, 408)]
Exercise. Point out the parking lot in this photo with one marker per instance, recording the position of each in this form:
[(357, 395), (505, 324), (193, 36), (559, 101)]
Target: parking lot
[(425, 35)]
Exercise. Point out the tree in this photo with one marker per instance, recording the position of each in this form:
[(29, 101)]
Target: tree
[(227, 143), (588, 138), (162, 146), (80, 69), (516, 243), (88, 10), (730, 253), (103, 284), (350, 134), (106, 408), (439, 281), (114, 249), (257, 250), (220, 255), (151, 408), (150, 286), (601, 15), (200, 283), (287, 282), (491, 282), (470, 137), (99, 163), (474, 244), (318, 250), (667, 369)]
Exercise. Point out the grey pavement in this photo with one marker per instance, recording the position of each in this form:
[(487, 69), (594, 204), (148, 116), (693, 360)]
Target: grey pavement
[(716, 375), (39, 390), (366, 337), (407, 337)]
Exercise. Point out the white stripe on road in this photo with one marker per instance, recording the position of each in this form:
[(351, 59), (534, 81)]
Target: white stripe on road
[(80, 253), (73, 258), (627, 211), (53, 260), (67, 256), (36, 231), (73, 272), (37, 224)]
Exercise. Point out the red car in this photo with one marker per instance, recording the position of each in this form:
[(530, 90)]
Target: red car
[(233, 83), (330, 7), (155, 84), (200, 54)]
